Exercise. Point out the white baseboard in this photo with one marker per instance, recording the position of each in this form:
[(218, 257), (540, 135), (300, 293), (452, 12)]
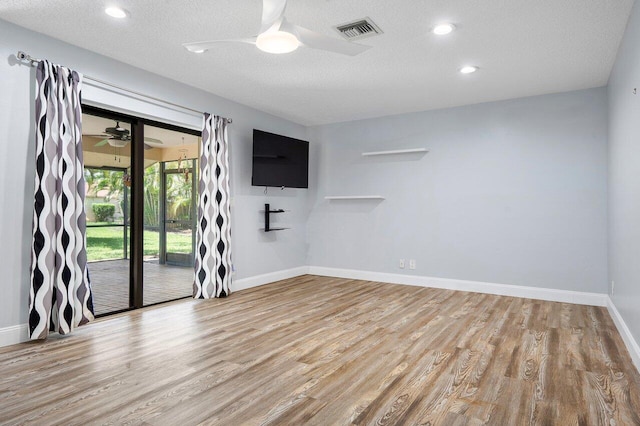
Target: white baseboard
[(553, 295), (258, 280), (629, 341), (14, 334)]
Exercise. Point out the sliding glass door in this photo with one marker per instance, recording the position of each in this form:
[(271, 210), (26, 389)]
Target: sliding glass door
[(107, 161), (169, 211), (140, 202)]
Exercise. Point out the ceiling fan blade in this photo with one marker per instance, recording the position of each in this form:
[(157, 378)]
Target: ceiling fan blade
[(147, 147), (153, 140), (272, 13), (103, 142), (316, 40), (201, 46)]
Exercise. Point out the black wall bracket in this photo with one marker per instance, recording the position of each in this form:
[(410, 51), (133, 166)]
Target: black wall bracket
[(267, 213)]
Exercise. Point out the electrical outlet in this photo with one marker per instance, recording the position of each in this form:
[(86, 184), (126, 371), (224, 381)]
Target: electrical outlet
[(412, 264), (401, 264), (613, 287)]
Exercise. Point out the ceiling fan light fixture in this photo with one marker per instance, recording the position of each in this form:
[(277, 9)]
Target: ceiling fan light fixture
[(116, 12), (277, 42), (443, 29), (118, 143)]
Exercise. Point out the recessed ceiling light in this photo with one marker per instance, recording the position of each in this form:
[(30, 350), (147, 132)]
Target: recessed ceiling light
[(443, 29), (116, 12), (199, 51), (468, 69), (277, 42)]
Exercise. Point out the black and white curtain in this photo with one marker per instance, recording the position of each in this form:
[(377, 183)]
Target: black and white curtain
[(213, 234), (60, 295)]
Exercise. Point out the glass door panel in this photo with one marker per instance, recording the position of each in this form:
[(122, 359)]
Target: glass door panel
[(169, 236), (152, 213), (107, 166), (179, 222)]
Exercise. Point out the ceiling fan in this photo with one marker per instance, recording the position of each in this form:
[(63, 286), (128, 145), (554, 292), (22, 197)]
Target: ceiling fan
[(277, 35), (118, 137)]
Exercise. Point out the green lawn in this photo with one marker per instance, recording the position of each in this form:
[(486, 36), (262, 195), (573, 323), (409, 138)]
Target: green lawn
[(106, 243)]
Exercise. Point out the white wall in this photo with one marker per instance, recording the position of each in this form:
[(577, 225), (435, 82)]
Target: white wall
[(624, 176), (511, 192), (254, 252)]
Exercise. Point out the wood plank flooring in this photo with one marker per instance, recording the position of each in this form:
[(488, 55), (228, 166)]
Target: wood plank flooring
[(323, 351)]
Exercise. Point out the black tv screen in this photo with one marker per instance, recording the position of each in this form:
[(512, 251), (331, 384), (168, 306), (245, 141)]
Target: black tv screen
[(279, 161)]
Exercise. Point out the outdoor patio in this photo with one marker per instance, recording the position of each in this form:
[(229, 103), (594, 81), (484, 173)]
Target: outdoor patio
[(110, 284)]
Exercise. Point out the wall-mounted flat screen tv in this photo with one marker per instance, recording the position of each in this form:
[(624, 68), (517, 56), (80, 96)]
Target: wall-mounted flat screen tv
[(279, 161)]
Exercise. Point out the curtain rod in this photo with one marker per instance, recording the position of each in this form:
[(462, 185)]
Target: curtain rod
[(33, 61)]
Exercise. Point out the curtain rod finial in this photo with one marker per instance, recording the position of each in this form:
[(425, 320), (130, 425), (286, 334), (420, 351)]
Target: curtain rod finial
[(24, 57)]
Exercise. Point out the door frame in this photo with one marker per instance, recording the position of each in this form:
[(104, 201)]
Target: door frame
[(136, 247), (193, 206)]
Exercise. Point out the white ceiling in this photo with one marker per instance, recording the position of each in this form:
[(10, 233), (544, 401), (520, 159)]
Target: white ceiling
[(523, 48)]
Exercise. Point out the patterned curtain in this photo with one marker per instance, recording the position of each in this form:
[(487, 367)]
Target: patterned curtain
[(213, 234), (60, 295)]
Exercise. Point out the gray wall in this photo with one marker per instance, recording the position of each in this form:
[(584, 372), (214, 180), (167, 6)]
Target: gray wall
[(253, 252), (624, 176), (511, 192)]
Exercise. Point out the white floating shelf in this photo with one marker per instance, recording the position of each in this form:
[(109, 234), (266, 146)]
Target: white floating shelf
[(354, 197), (397, 151)]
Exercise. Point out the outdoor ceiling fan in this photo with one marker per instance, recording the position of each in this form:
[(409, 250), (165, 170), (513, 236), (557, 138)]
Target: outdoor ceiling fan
[(277, 35), (119, 137)]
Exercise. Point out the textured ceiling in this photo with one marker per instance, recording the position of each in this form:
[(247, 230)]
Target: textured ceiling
[(522, 47)]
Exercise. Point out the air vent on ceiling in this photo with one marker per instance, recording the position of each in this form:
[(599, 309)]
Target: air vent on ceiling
[(358, 29)]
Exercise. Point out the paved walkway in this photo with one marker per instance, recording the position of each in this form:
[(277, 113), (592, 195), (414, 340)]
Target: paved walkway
[(110, 284)]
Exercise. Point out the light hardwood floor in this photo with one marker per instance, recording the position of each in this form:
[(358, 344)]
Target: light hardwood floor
[(314, 350)]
